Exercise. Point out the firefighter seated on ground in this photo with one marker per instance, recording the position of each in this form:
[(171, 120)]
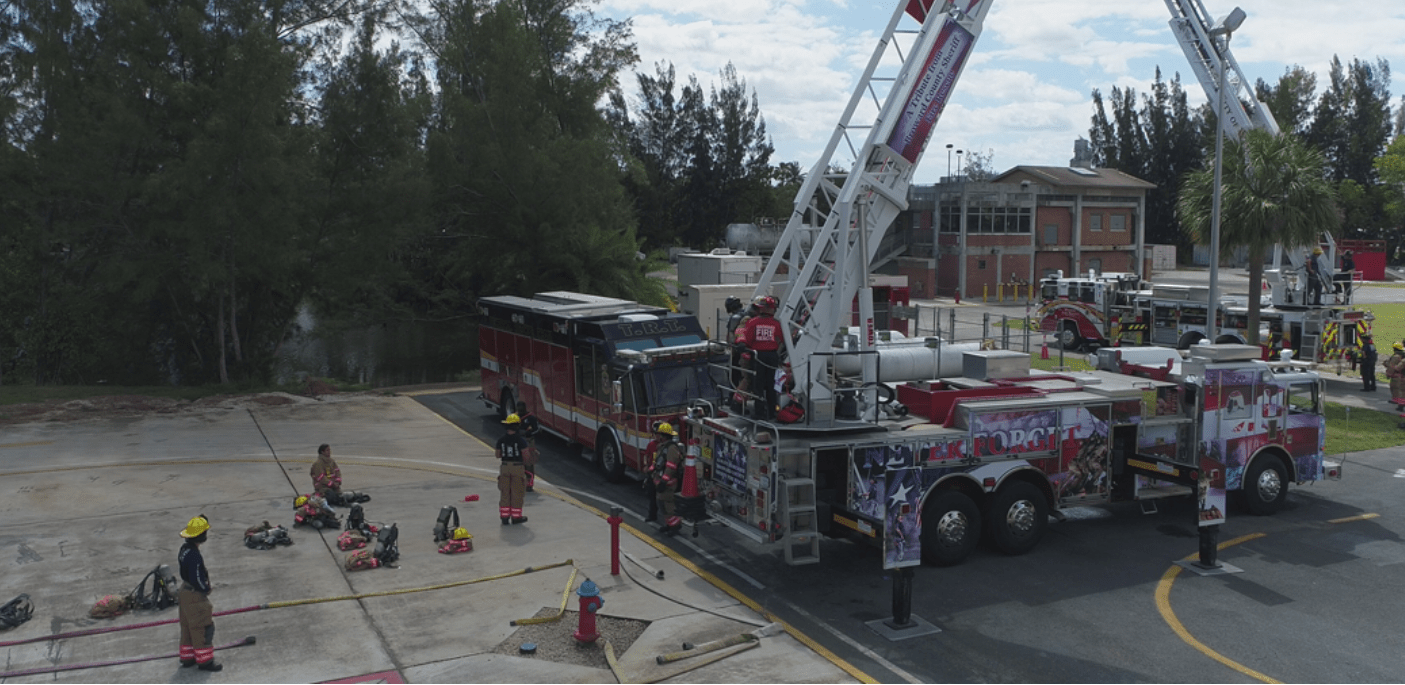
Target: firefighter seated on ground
[(326, 480)]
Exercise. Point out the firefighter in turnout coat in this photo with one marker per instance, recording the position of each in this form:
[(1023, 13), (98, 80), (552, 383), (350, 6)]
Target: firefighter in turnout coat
[(512, 476), (668, 467), (530, 428), (196, 614), (326, 475)]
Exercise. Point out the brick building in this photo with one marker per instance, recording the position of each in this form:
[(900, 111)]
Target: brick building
[(1020, 226)]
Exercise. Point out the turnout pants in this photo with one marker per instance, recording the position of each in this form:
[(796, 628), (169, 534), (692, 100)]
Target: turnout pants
[(512, 483), (197, 626), (667, 504)]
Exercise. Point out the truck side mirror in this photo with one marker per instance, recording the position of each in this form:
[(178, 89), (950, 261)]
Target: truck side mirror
[(617, 396)]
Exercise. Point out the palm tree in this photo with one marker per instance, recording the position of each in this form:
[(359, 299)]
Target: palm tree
[(1275, 191)]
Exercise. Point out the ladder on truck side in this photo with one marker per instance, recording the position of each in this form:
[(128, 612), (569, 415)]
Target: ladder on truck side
[(821, 259), (1191, 25)]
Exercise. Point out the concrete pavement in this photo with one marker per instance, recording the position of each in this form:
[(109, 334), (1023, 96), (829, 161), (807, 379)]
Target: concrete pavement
[(91, 506)]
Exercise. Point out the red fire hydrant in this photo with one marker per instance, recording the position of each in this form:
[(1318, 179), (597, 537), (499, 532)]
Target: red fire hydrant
[(590, 603)]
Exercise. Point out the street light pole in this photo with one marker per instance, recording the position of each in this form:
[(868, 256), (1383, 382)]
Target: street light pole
[(948, 160), (1224, 27)]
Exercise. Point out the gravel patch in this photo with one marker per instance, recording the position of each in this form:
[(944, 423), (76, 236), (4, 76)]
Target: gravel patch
[(555, 642)]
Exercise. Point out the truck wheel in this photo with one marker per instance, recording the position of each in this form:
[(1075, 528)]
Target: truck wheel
[(609, 456), (951, 526), (1019, 515), (506, 404), (1069, 339), (1265, 486)]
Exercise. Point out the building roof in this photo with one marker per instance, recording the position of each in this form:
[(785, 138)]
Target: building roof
[(1062, 176)]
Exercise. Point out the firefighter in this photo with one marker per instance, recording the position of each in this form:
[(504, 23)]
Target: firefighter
[(511, 476), (1394, 368), (326, 475), (196, 614), (651, 455), (763, 336), (668, 465), (1319, 275), (1368, 364), (530, 428), (741, 356)]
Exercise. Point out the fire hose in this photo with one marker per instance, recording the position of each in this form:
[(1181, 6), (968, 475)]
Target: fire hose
[(118, 662), (285, 603)]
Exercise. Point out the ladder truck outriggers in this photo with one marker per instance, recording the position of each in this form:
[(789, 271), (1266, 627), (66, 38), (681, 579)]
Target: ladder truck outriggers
[(996, 452)]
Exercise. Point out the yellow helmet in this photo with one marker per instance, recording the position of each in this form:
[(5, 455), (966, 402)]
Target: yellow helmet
[(667, 429), (462, 534), (196, 527), (1317, 250), (301, 500), (512, 419), (1398, 347)]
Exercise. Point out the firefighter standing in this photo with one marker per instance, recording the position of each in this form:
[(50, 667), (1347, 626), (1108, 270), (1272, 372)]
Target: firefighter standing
[(511, 475), (326, 475), (196, 614), (651, 455), (1394, 367), (530, 428), (763, 335), (1368, 364), (668, 464), (1319, 275)]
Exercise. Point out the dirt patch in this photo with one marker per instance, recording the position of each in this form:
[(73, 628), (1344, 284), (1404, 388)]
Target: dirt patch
[(123, 406), (555, 642)]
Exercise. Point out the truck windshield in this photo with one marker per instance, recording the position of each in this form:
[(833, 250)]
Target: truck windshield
[(678, 386)]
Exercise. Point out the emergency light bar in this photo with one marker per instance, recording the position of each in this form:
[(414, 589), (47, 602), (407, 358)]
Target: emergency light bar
[(674, 353)]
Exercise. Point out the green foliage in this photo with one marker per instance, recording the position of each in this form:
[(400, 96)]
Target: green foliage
[(1274, 191)]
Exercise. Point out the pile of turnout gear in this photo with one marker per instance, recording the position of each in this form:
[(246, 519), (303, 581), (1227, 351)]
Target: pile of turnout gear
[(449, 535), (385, 552), (163, 593), (313, 510), (266, 536), (16, 612), (358, 531)]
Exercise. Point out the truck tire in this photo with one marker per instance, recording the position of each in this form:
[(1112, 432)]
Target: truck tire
[(506, 404), (1018, 517), (609, 456), (1265, 486), (951, 528), (1069, 338)]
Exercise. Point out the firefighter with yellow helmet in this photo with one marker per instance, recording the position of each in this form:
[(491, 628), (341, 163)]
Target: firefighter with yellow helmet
[(196, 613), (668, 464), (512, 474)]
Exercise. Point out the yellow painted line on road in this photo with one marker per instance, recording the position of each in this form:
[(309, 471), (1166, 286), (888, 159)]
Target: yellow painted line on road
[(1359, 517), (28, 444), (1163, 605)]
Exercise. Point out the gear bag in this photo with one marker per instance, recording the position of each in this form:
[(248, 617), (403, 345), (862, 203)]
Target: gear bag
[(442, 528), (351, 539), (361, 560), (16, 611), (110, 606)]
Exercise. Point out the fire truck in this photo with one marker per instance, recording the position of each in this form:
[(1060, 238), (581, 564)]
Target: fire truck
[(996, 452), (597, 371), (1116, 308)]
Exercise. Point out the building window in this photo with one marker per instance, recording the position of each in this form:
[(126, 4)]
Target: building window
[(980, 264), (1095, 222), (1119, 222), (1051, 234), (1096, 265)]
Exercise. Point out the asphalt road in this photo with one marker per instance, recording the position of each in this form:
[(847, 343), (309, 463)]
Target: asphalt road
[(1100, 599)]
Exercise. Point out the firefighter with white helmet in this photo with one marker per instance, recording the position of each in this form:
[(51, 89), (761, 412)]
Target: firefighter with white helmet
[(196, 613), (512, 475), (668, 465)]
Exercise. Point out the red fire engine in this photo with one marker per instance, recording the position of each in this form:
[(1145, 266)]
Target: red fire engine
[(597, 371)]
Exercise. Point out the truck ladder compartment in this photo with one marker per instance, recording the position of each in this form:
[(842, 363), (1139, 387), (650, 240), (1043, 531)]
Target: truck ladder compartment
[(801, 538)]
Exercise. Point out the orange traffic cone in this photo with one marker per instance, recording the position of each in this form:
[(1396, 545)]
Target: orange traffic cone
[(690, 471)]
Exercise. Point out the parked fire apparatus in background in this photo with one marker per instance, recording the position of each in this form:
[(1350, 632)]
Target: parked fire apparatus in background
[(996, 452), (1103, 309), (597, 371)]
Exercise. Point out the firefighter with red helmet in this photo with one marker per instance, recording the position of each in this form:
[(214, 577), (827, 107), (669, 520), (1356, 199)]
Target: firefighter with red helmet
[(764, 337)]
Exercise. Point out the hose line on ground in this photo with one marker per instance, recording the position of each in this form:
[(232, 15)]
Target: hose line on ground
[(118, 662)]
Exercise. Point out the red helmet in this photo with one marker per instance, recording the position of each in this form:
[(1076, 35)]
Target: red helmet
[(769, 304)]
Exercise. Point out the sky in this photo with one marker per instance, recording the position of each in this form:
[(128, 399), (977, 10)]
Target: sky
[(1026, 93)]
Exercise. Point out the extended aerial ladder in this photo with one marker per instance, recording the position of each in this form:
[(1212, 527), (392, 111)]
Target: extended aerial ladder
[(1209, 57), (821, 260)]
